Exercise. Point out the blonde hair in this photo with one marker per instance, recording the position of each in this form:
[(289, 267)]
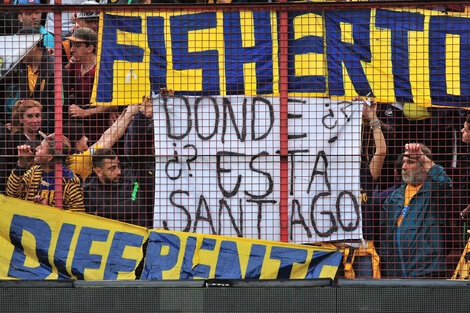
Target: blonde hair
[(19, 108)]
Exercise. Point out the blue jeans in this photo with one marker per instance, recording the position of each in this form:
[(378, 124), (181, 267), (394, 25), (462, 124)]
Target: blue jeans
[(363, 267)]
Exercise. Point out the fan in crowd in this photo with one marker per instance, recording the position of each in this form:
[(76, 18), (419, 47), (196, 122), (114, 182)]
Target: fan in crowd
[(86, 19), (122, 194), (78, 85), (33, 18), (366, 265), (413, 219), (34, 176), (80, 162), (25, 126)]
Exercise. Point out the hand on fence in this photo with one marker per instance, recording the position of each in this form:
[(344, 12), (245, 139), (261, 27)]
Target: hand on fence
[(76, 111), (147, 106), (133, 109), (25, 155), (369, 109), (466, 212), (166, 92), (369, 112)]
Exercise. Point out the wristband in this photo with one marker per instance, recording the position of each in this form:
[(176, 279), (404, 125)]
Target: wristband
[(375, 124)]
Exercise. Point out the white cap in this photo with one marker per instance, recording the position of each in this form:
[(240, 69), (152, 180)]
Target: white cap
[(85, 15)]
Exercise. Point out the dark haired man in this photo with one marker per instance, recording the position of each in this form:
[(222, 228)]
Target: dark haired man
[(32, 18), (413, 219), (80, 162), (82, 65), (122, 194)]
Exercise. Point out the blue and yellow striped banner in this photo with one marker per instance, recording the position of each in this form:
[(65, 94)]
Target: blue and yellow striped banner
[(397, 55)]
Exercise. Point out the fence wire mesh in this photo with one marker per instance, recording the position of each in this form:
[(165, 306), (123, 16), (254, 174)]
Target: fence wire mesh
[(316, 123)]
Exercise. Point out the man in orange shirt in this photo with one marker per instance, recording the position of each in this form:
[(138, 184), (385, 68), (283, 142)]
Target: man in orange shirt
[(413, 218)]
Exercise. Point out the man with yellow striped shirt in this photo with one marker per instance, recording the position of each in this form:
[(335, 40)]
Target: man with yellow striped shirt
[(33, 178)]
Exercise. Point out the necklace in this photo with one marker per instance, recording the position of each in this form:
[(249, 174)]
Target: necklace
[(85, 70)]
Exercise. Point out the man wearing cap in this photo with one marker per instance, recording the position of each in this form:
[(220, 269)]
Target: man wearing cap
[(81, 19), (37, 183), (79, 79), (84, 42), (87, 19), (67, 19), (33, 19)]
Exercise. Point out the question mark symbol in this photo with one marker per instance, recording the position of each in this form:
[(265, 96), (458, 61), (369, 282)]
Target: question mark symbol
[(173, 162), (191, 159)]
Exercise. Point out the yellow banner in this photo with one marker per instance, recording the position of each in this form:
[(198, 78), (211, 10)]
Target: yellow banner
[(41, 242)]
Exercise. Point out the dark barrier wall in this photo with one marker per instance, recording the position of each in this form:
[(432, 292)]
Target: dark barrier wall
[(240, 296)]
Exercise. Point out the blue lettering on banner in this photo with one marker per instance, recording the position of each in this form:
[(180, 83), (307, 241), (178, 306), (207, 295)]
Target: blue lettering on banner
[(236, 55), (200, 270), (112, 51), (303, 45), (116, 263), (42, 235), (62, 249), (207, 60), (156, 43), (287, 256), (321, 258), (156, 262), (82, 258), (228, 262), (339, 53), (439, 26), (400, 23), (255, 262), (351, 55), (162, 254)]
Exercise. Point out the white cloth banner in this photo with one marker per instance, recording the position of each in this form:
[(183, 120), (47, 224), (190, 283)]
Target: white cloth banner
[(13, 48), (218, 167)]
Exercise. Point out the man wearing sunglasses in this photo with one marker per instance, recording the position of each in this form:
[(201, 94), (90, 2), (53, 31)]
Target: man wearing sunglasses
[(79, 79)]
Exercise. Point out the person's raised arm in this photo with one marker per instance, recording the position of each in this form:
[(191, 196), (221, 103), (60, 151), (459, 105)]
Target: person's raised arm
[(377, 162), (77, 112), (138, 137), (115, 131)]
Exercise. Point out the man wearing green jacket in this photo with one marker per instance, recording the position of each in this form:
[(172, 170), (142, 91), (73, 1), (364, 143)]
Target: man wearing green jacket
[(413, 219)]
